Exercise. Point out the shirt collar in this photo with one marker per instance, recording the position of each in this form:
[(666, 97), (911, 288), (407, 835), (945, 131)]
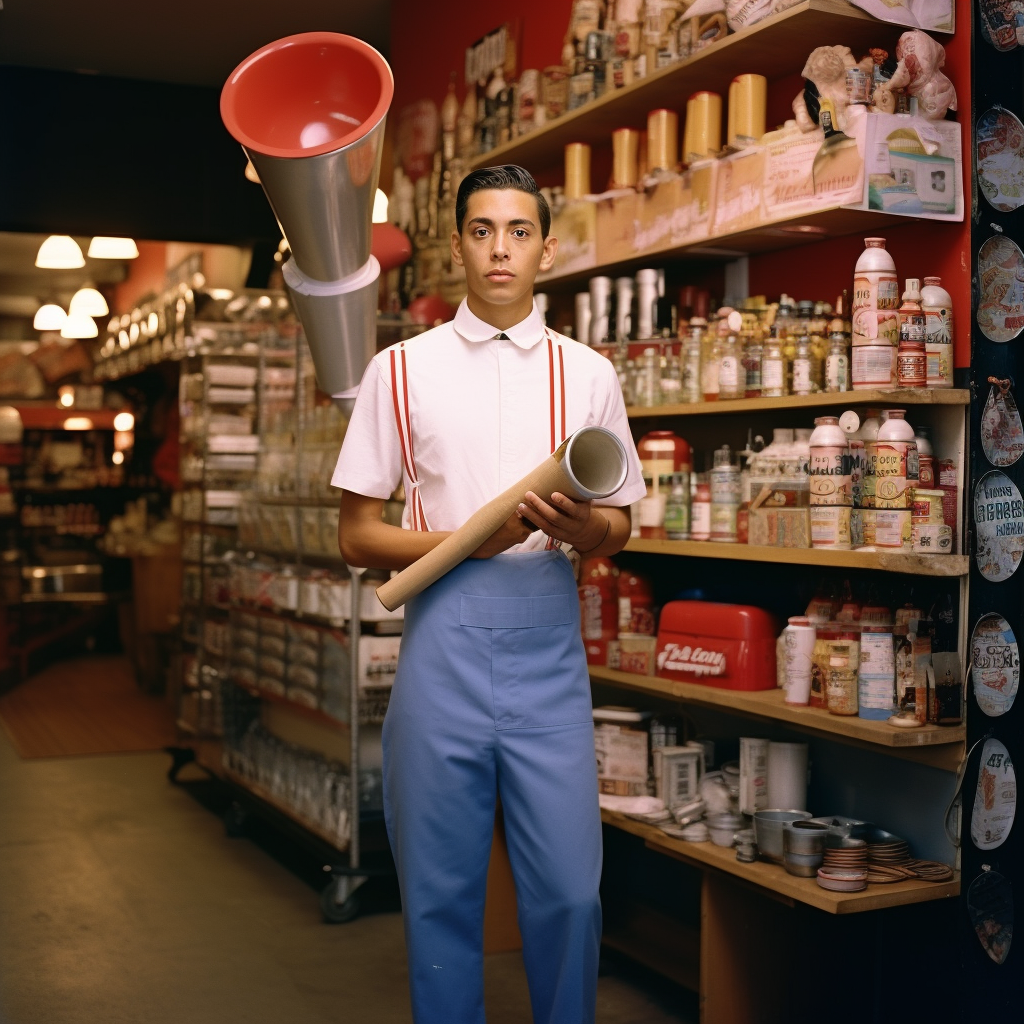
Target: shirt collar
[(525, 334)]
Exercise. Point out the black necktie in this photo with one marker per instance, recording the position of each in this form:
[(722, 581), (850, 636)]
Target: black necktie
[(503, 337)]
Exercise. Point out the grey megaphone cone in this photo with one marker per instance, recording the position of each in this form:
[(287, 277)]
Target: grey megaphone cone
[(309, 112)]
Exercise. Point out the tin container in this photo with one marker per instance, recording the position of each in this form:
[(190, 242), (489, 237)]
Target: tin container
[(753, 774), (926, 506), (891, 487), (844, 666), (830, 526), (877, 673), (931, 538), (798, 646), (768, 830), (637, 653), (892, 528), (803, 847)]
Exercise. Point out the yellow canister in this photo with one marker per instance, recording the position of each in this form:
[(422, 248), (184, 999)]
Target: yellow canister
[(662, 140), (577, 170)]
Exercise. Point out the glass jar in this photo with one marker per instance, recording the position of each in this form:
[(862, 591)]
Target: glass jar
[(752, 356), (671, 382), (731, 375), (837, 365), (677, 510), (773, 369), (649, 380), (691, 364), (806, 369)]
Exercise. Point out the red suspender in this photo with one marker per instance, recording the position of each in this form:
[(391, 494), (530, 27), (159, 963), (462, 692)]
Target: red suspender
[(556, 438), (419, 519)]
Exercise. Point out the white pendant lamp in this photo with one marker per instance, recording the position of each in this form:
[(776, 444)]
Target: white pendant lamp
[(107, 247), (49, 317), (60, 252), (79, 325), (88, 301)]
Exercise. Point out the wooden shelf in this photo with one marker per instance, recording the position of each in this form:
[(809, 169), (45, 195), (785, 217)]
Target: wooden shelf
[(770, 236), (775, 879), (891, 396), (939, 746), (774, 48), (885, 561)]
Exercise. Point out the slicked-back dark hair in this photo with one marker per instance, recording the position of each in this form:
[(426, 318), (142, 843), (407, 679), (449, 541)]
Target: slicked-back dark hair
[(504, 176)]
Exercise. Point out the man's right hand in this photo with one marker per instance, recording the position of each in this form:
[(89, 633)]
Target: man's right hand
[(513, 531)]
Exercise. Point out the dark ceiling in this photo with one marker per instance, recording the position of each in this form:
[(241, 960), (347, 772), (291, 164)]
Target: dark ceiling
[(189, 42)]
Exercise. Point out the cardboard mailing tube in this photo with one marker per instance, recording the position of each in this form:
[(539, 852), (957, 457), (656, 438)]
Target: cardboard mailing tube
[(590, 464)]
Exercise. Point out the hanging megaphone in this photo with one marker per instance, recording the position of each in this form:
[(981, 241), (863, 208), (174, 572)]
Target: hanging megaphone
[(309, 112)]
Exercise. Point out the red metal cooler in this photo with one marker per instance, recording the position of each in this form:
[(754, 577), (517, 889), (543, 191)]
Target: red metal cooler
[(731, 646)]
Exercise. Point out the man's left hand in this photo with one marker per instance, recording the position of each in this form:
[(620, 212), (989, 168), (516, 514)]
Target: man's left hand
[(563, 519)]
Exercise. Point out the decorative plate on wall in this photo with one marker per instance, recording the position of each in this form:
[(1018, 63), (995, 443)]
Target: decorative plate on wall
[(995, 802), (999, 153), (999, 23), (1002, 436), (995, 665), (990, 906), (1001, 275), (999, 524)]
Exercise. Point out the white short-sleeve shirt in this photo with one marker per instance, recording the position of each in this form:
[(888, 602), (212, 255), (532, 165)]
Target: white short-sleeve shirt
[(459, 415)]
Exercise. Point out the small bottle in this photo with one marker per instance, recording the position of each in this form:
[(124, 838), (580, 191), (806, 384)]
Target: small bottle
[(753, 354), (671, 382), (806, 368), (700, 509), (937, 306), (911, 371), (773, 368), (925, 458), (691, 360), (837, 364), (731, 376), (709, 370), (622, 371), (677, 510), (910, 317), (649, 386), (725, 496)]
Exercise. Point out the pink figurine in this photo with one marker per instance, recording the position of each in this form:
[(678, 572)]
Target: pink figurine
[(920, 58)]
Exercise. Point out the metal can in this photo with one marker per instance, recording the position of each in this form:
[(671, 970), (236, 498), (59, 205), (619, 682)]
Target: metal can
[(844, 667), (926, 505), (830, 526), (931, 538), (891, 473), (892, 528), (877, 674)]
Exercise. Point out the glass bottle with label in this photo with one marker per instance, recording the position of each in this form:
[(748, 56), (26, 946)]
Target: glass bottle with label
[(691, 360), (671, 381), (725, 496), (773, 368), (806, 369), (731, 375), (700, 509), (649, 385), (710, 367), (677, 510), (837, 364), (753, 353)]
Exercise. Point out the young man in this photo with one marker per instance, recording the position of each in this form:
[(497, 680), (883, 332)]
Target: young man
[(492, 696)]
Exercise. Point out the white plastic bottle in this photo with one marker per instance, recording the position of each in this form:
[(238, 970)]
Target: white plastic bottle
[(938, 326), (829, 465), (876, 296)]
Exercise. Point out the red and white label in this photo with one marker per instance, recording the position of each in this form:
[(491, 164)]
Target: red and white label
[(693, 659)]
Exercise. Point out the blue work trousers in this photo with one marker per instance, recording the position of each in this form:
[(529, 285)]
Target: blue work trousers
[(492, 698)]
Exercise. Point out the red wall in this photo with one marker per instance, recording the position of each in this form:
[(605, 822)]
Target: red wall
[(145, 274), (429, 40)]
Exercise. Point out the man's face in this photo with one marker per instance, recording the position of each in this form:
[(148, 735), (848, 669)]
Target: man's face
[(501, 246)]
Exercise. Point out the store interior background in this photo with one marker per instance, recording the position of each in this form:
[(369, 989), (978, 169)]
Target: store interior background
[(116, 131)]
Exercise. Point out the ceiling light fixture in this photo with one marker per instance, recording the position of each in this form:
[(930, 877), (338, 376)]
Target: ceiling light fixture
[(49, 317), (107, 247), (89, 301), (60, 252), (124, 421), (78, 423), (79, 325)]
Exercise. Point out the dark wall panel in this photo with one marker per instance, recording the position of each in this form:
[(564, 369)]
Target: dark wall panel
[(87, 154)]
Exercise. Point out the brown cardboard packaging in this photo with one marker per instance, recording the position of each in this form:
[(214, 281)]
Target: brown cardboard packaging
[(617, 214), (775, 527), (739, 191)]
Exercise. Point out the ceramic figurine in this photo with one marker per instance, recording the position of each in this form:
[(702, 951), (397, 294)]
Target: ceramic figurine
[(825, 70), (920, 58)]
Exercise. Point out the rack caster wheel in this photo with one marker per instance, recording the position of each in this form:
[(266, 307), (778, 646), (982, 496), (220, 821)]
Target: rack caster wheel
[(235, 818), (335, 907)]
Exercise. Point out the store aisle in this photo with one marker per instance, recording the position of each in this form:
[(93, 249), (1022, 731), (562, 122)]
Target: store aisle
[(122, 900)]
